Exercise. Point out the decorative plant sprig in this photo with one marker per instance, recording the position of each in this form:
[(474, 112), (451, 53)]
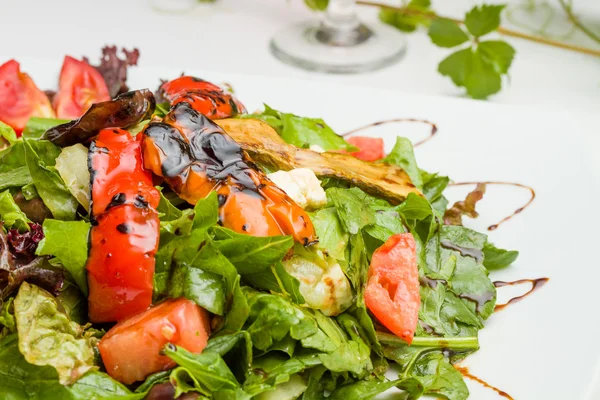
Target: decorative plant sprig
[(477, 66)]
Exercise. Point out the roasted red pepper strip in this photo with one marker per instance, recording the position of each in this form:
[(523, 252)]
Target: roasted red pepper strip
[(195, 156), (124, 236), (203, 96)]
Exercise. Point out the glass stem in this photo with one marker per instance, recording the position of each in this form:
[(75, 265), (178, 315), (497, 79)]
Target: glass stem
[(341, 26)]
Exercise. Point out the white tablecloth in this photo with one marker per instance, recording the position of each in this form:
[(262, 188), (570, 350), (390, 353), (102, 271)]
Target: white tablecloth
[(233, 35)]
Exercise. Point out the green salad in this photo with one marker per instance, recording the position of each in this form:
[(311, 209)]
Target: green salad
[(169, 245)]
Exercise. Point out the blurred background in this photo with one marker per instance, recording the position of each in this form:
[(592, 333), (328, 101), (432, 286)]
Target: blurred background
[(234, 36)]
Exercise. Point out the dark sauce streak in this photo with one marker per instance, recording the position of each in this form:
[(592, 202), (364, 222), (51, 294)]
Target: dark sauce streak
[(396, 120), (432, 283), (517, 211), (465, 372), (206, 148), (479, 299), (535, 285), (464, 251)]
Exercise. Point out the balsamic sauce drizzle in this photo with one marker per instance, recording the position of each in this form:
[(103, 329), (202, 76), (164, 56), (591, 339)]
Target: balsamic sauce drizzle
[(517, 211), (396, 120), (535, 285), (465, 372)]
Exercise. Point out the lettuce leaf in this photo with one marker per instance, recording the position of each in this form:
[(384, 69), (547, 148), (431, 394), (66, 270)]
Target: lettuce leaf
[(48, 337), (10, 214)]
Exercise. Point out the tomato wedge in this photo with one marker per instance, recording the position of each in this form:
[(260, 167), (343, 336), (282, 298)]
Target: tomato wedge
[(80, 85), (371, 149), (131, 349), (21, 99), (392, 292)]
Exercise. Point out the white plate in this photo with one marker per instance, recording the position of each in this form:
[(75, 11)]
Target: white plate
[(544, 347)]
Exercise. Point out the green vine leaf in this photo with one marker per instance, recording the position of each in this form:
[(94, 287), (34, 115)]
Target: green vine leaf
[(483, 19), (498, 53), (446, 33), (318, 5), (416, 13)]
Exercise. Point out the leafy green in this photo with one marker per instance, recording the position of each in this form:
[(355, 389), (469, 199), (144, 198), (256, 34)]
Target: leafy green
[(269, 371), (7, 318), (483, 19), (251, 254), (446, 33), (319, 5), (330, 231), (350, 207), (68, 242), (16, 177), (497, 53), (362, 390), (24, 381), (302, 131), (7, 135), (11, 214), (205, 288), (403, 156), (41, 157), (414, 14), (208, 369), (48, 337), (167, 211), (495, 258), (37, 126)]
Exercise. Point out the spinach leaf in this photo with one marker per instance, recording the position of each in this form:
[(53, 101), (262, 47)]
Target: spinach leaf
[(205, 288), (360, 390), (269, 371), (166, 210), (495, 258), (276, 279), (68, 242), (403, 156), (24, 381), (41, 158), (11, 214), (251, 254), (36, 126), (302, 131), (207, 368), (48, 337)]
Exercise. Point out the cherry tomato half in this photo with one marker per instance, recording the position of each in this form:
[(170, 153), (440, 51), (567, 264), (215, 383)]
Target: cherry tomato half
[(371, 149)]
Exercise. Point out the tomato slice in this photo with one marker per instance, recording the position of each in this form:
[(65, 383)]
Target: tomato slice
[(392, 292), (371, 149), (80, 85), (21, 99), (131, 349)]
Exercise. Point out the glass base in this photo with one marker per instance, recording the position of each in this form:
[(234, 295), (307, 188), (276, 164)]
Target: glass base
[(311, 46)]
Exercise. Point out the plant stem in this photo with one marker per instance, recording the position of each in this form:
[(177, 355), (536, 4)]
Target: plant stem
[(569, 11), (435, 342), (501, 30)]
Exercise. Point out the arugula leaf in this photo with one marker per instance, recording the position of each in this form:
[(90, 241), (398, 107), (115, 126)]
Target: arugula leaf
[(48, 337), (290, 390), (251, 254), (68, 242), (417, 13), (350, 205), (495, 258), (11, 214), (403, 156), (483, 19), (37, 126), (236, 349), (446, 33), (278, 280), (433, 187), (41, 157), (269, 371), (302, 131), (24, 381), (166, 210), (205, 288)]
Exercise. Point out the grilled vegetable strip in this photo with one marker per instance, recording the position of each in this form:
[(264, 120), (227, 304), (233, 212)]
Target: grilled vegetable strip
[(265, 146), (126, 110), (204, 97), (124, 237), (195, 157)]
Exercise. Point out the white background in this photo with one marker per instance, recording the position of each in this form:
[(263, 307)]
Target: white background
[(233, 36)]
